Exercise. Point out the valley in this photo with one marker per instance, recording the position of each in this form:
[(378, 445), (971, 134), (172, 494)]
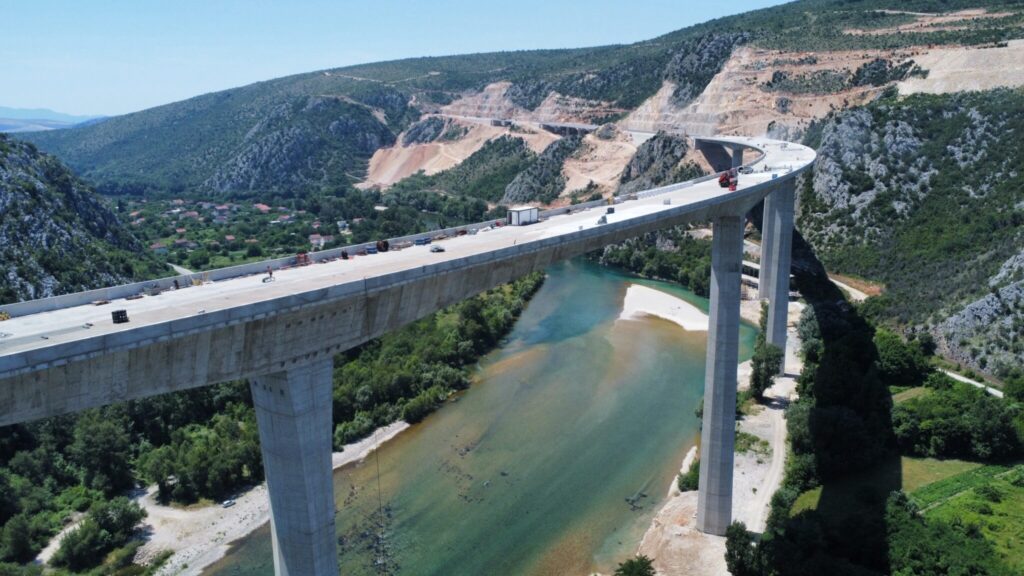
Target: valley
[(542, 421)]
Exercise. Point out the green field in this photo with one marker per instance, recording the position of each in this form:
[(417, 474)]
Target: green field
[(914, 475), (991, 498)]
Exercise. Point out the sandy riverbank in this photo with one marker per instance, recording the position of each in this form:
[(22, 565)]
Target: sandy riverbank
[(672, 539), (641, 302), (200, 536)]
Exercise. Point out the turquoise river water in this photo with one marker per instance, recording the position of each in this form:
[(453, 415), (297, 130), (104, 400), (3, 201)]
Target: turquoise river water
[(552, 463)]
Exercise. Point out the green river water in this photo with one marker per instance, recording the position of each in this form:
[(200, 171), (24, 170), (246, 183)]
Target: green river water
[(533, 470)]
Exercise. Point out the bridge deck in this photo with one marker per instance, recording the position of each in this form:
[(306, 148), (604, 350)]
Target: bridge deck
[(26, 334)]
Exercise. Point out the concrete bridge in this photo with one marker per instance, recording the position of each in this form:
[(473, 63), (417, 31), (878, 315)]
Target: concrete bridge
[(65, 354)]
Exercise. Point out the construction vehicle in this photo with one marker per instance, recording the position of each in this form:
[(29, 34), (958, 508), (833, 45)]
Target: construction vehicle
[(729, 179)]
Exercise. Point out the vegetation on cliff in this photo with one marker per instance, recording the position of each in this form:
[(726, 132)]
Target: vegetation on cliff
[(56, 235), (923, 195)]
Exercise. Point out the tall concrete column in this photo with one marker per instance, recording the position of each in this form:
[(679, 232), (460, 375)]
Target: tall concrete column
[(293, 411), (737, 157), (782, 248), (764, 277), (718, 433)]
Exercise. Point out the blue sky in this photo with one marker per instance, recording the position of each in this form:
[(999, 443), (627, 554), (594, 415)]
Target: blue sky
[(113, 56)]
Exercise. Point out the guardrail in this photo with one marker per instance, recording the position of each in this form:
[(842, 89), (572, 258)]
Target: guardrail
[(184, 281)]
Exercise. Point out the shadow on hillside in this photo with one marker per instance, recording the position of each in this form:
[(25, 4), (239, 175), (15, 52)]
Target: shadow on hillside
[(843, 424)]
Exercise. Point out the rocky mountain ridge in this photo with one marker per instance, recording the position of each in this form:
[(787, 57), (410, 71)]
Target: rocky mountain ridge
[(924, 195), (56, 235)]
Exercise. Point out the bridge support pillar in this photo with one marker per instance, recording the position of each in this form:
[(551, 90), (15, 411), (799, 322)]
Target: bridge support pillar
[(737, 157), (768, 238), (781, 231), (293, 412), (718, 433)]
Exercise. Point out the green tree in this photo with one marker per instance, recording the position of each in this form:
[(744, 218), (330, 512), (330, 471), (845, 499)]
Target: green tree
[(639, 566), (16, 543), (198, 259), (689, 481), (766, 362), (7, 569), (900, 363), (107, 526), (102, 450), (741, 555), (1014, 386)]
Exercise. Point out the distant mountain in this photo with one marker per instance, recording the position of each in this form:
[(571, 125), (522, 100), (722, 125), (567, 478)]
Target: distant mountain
[(17, 120), (316, 131), (40, 114), (14, 125), (56, 235)]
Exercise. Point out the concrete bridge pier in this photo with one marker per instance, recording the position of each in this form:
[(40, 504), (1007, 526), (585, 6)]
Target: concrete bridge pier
[(778, 226), (737, 157), (768, 238), (293, 412), (718, 433)]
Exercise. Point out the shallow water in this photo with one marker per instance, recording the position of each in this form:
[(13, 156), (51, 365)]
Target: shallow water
[(553, 463)]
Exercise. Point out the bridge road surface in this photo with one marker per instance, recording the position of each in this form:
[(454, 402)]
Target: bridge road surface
[(68, 355), (25, 334)]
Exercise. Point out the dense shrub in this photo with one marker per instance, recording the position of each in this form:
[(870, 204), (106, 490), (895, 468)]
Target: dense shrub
[(958, 421), (106, 526)]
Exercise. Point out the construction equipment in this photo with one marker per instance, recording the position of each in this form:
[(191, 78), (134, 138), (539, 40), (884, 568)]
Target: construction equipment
[(302, 259), (729, 179)]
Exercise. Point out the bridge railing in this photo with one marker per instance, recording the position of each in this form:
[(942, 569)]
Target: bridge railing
[(183, 281)]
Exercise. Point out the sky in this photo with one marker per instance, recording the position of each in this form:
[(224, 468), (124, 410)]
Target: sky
[(107, 57)]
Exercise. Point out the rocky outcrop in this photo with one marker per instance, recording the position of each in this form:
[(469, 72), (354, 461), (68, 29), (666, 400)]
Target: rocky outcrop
[(424, 131), (56, 236), (656, 163), (694, 65), (860, 160), (922, 195), (542, 180), (986, 333), (302, 144)]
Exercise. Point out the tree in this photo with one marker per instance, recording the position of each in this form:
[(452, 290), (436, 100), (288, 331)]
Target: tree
[(765, 366), (639, 566), (741, 555), (899, 363), (689, 481), (766, 362), (198, 259), (16, 543), (1014, 386), (107, 526), (102, 450)]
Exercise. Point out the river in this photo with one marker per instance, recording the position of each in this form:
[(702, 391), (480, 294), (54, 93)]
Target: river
[(552, 463)]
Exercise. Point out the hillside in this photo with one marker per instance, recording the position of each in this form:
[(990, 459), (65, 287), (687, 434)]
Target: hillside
[(924, 195), (56, 236), (319, 130)]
